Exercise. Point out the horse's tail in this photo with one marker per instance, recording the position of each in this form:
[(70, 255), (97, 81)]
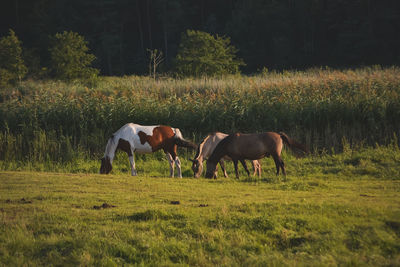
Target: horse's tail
[(292, 143), (180, 141)]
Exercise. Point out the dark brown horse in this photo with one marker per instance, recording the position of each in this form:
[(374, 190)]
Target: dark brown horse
[(253, 147), (204, 151)]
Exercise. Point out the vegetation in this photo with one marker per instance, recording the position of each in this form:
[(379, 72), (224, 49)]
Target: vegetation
[(272, 34), (12, 67), (340, 209), (322, 108), (338, 206), (70, 58), (201, 54)]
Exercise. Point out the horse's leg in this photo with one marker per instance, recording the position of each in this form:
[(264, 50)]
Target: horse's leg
[(277, 161), (176, 160), (171, 164), (216, 172), (133, 166), (282, 166), (279, 164), (222, 163), (245, 166), (132, 162), (257, 168), (235, 163), (178, 167), (255, 164)]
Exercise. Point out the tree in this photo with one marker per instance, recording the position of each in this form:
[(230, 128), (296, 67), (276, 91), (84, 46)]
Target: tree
[(156, 58), (200, 53), (12, 67), (70, 58)]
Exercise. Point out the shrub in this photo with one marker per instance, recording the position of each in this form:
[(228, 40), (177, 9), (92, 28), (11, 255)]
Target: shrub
[(12, 67), (70, 59), (200, 54)]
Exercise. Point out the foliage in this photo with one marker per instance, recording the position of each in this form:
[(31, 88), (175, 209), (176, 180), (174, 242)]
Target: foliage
[(316, 107), (12, 67), (70, 59), (203, 54), (274, 34)]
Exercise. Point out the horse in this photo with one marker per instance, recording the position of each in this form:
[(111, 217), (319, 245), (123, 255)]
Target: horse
[(240, 146), (204, 150), (132, 138)]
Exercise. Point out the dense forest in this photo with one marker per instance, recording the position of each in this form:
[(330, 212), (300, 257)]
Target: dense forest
[(285, 34)]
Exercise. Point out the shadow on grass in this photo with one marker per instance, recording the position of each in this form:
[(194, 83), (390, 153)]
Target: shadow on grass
[(268, 180), (153, 215)]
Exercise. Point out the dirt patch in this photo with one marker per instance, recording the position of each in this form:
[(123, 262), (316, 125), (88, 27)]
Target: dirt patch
[(395, 226), (104, 206), (20, 201), (175, 202)]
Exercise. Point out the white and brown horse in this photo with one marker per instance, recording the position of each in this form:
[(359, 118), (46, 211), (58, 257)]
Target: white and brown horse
[(133, 138), (251, 146), (205, 149)]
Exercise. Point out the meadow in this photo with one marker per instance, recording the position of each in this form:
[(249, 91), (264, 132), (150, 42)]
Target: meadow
[(339, 205), (341, 209)]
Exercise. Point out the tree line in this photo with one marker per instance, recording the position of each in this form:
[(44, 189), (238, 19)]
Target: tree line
[(267, 33), (200, 54)]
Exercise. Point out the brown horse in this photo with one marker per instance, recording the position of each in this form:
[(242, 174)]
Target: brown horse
[(205, 149), (253, 147)]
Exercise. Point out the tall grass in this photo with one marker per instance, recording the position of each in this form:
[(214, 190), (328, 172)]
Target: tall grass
[(319, 107)]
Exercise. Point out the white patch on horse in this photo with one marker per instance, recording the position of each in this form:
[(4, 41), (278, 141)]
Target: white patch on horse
[(177, 133), (137, 138), (129, 132)]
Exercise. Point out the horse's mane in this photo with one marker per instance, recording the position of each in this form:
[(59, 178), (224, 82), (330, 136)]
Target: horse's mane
[(110, 142), (220, 149), (200, 147)]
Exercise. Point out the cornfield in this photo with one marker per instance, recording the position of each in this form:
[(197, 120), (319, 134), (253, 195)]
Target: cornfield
[(49, 120)]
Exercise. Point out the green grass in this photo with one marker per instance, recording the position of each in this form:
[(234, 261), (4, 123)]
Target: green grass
[(338, 206), (380, 162), (340, 209)]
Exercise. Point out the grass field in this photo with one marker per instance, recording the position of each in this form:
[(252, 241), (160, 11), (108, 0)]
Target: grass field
[(338, 206), (340, 209)]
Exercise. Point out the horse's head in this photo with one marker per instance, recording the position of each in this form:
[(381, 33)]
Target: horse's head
[(197, 168), (106, 166), (211, 168)]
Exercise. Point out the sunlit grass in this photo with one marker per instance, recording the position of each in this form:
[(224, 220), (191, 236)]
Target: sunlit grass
[(323, 213)]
